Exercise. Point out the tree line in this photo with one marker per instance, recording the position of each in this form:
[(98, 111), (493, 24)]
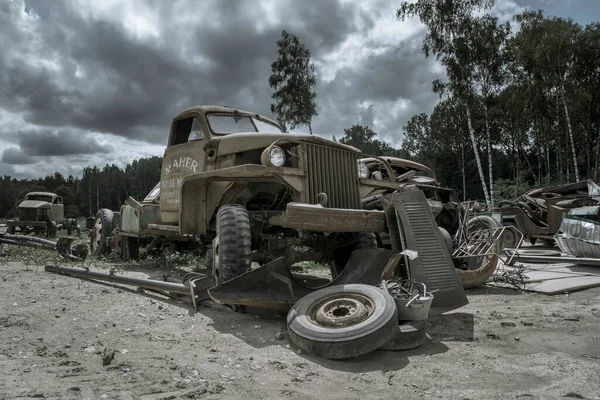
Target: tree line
[(516, 110), (519, 108), (97, 188)]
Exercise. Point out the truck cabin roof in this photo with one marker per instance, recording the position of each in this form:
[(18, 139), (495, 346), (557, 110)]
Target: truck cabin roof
[(200, 122)]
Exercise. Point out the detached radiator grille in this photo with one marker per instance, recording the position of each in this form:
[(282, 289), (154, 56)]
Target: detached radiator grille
[(333, 172), (28, 214)]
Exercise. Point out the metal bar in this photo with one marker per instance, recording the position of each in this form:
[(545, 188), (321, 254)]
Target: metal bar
[(126, 280), (25, 244), (515, 256), (22, 238)]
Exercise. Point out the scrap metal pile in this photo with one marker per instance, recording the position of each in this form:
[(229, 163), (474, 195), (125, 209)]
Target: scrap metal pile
[(538, 214), (380, 300), (63, 246)]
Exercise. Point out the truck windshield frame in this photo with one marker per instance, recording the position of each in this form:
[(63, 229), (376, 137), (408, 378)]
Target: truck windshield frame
[(226, 123)]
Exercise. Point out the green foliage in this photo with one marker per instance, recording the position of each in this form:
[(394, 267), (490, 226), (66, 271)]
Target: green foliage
[(105, 188), (364, 139), (293, 80), (532, 97), (512, 189)]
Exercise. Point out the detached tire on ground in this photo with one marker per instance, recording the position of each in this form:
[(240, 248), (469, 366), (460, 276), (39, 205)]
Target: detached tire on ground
[(408, 336), (343, 321), (233, 244), (101, 231)]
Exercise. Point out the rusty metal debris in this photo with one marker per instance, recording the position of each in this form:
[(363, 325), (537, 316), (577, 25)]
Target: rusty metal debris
[(538, 214), (412, 226), (273, 286), (579, 233), (63, 245), (194, 285)]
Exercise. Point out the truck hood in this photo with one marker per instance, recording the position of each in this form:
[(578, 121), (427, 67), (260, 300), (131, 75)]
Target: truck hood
[(33, 204), (239, 142)]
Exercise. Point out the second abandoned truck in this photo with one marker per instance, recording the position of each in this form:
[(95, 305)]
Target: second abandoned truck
[(234, 183)]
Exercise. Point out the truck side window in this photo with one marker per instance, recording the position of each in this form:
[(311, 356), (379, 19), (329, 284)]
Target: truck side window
[(196, 133), (186, 130)]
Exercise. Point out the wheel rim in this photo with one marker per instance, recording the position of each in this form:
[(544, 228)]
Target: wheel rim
[(98, 233), (509, 238), (341, 310)]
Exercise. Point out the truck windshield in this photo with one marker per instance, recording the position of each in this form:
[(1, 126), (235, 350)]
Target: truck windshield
[(39, 197), (223, 124)]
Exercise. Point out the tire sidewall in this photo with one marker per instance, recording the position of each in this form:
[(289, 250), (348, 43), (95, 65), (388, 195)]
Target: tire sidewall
[(354, 340)]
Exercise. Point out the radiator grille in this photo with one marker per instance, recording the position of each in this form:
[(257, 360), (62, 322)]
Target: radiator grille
[(28, 214), (334, 172)]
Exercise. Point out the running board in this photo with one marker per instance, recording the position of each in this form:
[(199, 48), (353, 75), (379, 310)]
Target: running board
[(433, 266)]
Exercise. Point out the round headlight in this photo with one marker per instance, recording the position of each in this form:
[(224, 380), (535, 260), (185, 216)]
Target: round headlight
[(273, 156), (363, 171)]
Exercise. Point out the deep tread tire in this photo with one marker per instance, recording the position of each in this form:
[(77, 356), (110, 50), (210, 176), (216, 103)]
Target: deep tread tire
[(234, 246), (409, 335), (347, 341), (51, 229), (340, 257), (105, 218), (447, 240)]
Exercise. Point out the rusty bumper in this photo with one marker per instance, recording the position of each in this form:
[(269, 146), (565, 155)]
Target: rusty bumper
[(311, 217)]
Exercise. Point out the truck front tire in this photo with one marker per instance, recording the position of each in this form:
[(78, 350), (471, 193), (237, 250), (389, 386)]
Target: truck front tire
[(103, 226), (233, 244)]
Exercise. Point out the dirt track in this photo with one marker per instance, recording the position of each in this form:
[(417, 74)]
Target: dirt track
[(55, 330)]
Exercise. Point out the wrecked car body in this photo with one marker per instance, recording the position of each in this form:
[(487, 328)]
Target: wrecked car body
[(579, 233), (473, 240), (539, 213)]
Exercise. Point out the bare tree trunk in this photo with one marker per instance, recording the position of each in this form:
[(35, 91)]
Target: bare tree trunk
[(558, 144), (548, 172), (490, 161), (538, 145), (564, 97), (477, 158), (464, 172), (597, 155)]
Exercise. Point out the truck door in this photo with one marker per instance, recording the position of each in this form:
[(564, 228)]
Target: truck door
[(184, 156)]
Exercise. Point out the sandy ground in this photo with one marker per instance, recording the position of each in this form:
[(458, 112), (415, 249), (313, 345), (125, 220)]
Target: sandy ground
[(57, 335)]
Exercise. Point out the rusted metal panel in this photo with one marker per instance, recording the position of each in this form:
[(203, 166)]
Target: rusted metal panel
[(433, 266), (273, 286), (136, 221), (310, 217)]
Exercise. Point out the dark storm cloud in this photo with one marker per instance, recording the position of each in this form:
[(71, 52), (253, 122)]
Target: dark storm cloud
[(15, 156), (105, 79), (396, 73), (6, 169), (59, 143)]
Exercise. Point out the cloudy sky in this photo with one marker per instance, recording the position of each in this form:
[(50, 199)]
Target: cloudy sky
[(90, 82)]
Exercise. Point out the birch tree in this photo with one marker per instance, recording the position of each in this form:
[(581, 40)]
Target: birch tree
[(449, 23)]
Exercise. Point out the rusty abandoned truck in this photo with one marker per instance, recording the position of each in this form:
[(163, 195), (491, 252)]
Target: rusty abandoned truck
[(41, 212), (234, 184)]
